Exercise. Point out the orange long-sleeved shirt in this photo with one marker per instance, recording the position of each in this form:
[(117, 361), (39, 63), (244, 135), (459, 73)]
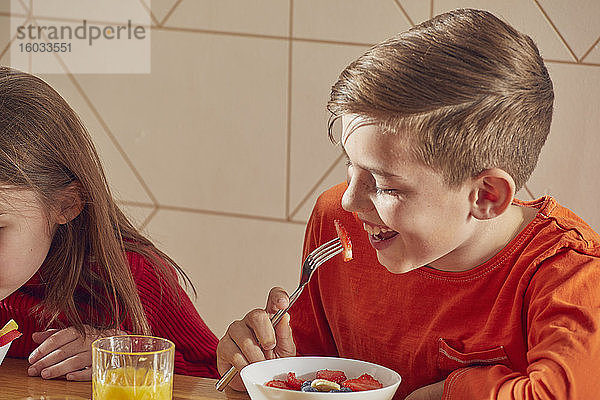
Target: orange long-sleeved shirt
[(523, 325)]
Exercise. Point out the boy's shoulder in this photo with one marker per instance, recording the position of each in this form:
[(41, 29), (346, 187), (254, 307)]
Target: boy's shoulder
[(555, 223)]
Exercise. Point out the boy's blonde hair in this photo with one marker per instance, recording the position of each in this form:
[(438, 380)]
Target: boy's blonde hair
[(468, 90)]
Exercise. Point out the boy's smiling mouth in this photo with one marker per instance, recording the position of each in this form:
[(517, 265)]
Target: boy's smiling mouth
[(379, 233)]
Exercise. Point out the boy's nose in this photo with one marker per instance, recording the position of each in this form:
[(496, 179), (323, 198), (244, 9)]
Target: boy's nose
[(356, 197)]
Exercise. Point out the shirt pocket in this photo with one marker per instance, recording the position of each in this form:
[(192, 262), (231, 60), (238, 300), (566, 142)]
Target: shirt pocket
[(450, 359)]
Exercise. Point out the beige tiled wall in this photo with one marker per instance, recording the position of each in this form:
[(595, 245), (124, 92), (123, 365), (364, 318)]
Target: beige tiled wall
[(219, 153)]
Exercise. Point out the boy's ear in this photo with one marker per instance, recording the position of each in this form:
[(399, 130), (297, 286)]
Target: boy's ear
[(69, 203), (493, 192)]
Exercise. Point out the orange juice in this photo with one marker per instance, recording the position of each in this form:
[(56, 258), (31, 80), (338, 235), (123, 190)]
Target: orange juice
[(132, 384)]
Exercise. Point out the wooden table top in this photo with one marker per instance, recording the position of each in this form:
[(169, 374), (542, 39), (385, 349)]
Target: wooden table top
[(15, 384)]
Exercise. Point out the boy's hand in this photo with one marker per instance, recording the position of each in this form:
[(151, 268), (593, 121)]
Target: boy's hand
[(254, 338), (65, 352), (434, 391)]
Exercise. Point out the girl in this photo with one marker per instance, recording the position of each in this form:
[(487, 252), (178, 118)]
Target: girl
[(72, 266)]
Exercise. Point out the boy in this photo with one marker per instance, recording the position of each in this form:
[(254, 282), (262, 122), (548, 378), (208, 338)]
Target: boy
[(465, 291)]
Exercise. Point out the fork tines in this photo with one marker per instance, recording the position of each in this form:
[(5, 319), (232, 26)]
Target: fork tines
[(326, 251)]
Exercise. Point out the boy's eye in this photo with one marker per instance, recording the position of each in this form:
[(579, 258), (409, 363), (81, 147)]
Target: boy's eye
[(392, 192)]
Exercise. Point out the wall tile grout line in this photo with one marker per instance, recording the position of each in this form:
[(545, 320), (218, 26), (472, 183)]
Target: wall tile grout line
[(75, 20), (590, 49), (560, 36), (152, 17), (306, 40), (27, 8), (139, 204), (67, 20), (217, 32), (408, 18), (149, 218), (259, 36), (290, 39), (336, 42), (207, 212), (112, 137), (11, 41), (104, 125), (288, 142), (8, 14), (316, 186), (529, 192), (583, 64), (333, 42), (164, 20), (13, 14), (431, 9)]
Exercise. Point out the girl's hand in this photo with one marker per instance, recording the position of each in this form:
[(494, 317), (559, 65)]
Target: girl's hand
[(254, 338), (434, 391), (65, 352)]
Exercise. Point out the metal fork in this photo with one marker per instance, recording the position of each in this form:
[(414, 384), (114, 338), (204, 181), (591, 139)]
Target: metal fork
[(316, 257)]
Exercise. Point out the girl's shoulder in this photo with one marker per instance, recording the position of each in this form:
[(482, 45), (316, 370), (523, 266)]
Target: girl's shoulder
[(137, 262), (156, 281), (144, 267)]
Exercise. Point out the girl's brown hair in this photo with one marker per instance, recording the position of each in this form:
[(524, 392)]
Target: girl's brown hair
[(44, 147), (467, 89)]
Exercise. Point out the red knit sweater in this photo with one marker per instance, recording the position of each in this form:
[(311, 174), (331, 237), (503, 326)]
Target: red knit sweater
[(195, 344)]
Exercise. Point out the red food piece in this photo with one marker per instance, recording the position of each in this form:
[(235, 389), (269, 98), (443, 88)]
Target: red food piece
[(293, 382), (345, 239), (277, 384), (333, 376), (363, 382), (9, 337)]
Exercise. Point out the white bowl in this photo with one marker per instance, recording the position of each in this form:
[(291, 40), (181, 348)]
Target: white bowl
[(3, 351), (256, 375)]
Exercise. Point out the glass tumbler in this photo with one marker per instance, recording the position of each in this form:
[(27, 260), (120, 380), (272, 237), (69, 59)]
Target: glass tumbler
[(132, 367)]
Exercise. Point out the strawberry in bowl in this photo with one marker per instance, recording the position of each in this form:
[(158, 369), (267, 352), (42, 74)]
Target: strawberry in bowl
[(326, 380), (319, 377)]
